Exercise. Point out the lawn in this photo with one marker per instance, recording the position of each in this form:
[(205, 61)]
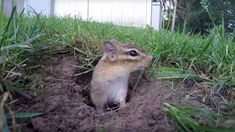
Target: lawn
[(179, 57)]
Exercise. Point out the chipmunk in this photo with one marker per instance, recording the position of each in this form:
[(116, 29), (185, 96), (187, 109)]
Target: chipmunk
[(109, 82)]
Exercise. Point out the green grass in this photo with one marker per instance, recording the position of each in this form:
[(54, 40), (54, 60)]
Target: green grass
[(186, 119), (176, 55), (214, 53), (212, 56)]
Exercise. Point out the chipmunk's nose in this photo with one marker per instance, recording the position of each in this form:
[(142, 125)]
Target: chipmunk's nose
[(150, 56)]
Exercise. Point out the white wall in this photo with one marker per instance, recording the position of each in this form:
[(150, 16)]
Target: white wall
[(71, 7), (8, 6), (156, 20), (40, 6), (120, 12)]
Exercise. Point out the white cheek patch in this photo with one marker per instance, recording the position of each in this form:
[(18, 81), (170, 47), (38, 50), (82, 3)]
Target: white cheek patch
[(129, 49), (127, 57)]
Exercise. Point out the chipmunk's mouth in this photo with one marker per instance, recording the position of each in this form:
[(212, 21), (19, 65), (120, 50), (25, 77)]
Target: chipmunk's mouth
[(143, 66)]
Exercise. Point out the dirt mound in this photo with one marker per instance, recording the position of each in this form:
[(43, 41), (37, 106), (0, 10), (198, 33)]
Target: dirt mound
[(67, 107)]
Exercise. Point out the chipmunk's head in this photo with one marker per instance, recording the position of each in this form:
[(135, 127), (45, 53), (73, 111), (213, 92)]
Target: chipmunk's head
[(129, 57)]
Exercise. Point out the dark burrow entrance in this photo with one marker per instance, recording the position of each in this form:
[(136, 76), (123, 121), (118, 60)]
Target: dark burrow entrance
[(84, 81)]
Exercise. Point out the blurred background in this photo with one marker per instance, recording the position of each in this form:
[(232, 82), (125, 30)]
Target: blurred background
[(190, 15)]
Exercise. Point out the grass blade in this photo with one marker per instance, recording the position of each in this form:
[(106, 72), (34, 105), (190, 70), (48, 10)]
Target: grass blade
[(24, 115), (25, 44)]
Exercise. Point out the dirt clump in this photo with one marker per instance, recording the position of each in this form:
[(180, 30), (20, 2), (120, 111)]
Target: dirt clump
[(67, 107)]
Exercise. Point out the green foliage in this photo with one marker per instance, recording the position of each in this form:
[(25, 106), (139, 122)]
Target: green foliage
[(17, 37), (173, 73), (24, 115), (16, 33), (188, 12), (210, 58), (191, 53), (201, 16), (3, 120), (187, 119), (5, 126), (176, 55)]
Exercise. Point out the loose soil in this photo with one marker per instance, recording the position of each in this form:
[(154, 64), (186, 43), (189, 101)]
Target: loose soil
[(67, 107)]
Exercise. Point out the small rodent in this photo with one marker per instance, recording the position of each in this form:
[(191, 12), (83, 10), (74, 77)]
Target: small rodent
[(110, 77)]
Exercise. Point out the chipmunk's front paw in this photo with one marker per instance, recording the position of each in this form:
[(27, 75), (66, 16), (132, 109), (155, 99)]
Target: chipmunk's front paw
[(123, 104)]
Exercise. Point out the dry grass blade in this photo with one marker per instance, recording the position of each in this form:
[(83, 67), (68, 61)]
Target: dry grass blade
[(12, 73), (138, 79), (3, 122)]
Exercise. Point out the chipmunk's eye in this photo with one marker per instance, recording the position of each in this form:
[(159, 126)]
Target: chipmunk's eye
[(133, 53)]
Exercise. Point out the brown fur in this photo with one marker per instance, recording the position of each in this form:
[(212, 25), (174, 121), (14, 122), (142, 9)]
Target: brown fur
[(112, 72)]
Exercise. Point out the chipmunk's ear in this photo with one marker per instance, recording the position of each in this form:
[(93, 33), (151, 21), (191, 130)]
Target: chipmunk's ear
[(110, 48), (114, 41)]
